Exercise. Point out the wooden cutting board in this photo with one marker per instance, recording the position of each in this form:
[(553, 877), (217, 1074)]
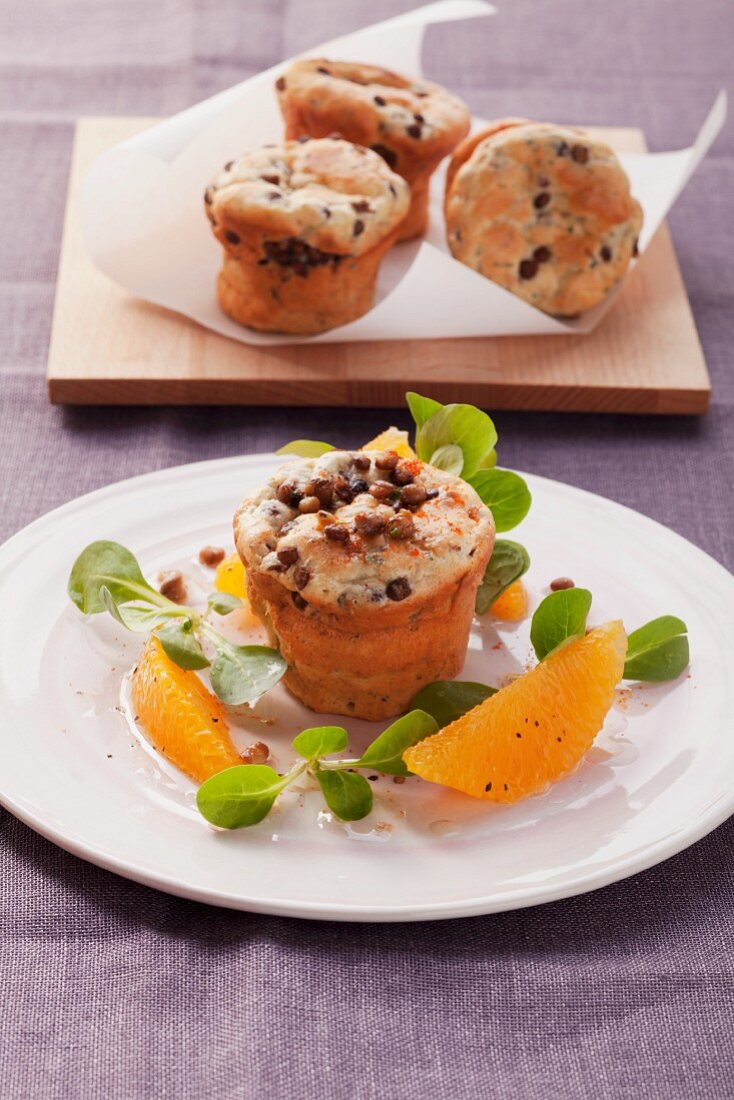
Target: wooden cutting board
[(110, 348)]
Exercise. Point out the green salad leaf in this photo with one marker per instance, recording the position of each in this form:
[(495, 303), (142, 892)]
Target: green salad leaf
[(347, 794), (463, 426), (421, 408), (107, 577), (239, 796), (180, 644), (447, 700), (136, 616), (320, 741), (450, 458), (657, 651), (109, 565), (561, 615), (223, 603), (509, 561), (306, 448), (505, 493), (385, 754), (490, 461), (242, 673)]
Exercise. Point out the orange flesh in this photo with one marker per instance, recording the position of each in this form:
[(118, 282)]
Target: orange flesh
[(182, 720), (230, 578), (533, 731), (512, 605), (392, 439)]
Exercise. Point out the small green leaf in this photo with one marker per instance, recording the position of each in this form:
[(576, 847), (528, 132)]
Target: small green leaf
[(223, 603), (657, 651), (463, 425), (347, 794), (182, 647), (320, 741), (139, 617), (109, 565), (447, 700), (306, 448), (385, 754), (490, 461), (509, 561), (561, 616), (239, 796), (505, 493), (450, 458), (421, 408), (242, 673)]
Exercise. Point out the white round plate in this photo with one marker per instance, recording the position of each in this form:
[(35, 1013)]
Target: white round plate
[(73, 767)]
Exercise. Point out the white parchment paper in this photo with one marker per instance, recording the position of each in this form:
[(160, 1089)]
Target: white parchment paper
[(144, 225)]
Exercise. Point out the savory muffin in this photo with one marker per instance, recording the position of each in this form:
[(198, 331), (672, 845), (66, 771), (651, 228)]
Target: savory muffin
[(543, 210), (364, 568), (412, 124), (304, 226)]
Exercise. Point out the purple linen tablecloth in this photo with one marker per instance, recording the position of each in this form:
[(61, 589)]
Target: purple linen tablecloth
[(113, 990)]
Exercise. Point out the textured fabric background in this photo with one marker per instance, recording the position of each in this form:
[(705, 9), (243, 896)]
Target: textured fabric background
[(113, 990)]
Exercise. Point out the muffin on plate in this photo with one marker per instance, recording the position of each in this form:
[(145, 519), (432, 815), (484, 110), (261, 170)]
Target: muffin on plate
[(543, 210), (364, 568), (412, 124), (304, 226)]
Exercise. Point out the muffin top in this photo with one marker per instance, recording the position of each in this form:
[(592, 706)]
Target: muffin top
[(350, 530), (329, 195), (543, 210), (395, 116)]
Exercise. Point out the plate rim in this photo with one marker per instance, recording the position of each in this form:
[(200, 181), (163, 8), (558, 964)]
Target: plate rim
[(664, 849)]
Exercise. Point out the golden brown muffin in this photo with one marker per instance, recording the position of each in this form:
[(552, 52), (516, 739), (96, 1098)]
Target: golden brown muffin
[(412, 124), (543, 210), (304, 227), (364, 568)]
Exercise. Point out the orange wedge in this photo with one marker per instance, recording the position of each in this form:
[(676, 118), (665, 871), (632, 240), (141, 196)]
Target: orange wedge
[(230, 577), (392, 439), (512, 605), (533, 731), (183, 721)]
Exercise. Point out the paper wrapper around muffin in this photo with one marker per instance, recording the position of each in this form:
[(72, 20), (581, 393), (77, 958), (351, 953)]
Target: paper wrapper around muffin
[(368, 591), (369, 664)]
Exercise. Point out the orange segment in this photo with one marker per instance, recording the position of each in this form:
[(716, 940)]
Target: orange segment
[(392, 439), (512, 605), (230, 576), (183, 721), (533, 731)]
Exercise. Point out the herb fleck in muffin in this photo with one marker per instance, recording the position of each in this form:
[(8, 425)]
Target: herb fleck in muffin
[(304, 226), (364, 568), (412, 124), (545, 211)]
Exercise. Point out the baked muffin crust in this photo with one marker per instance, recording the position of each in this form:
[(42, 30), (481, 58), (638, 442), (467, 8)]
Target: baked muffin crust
[(337, 199), (412, 124), (545, 211), (304, 227)]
